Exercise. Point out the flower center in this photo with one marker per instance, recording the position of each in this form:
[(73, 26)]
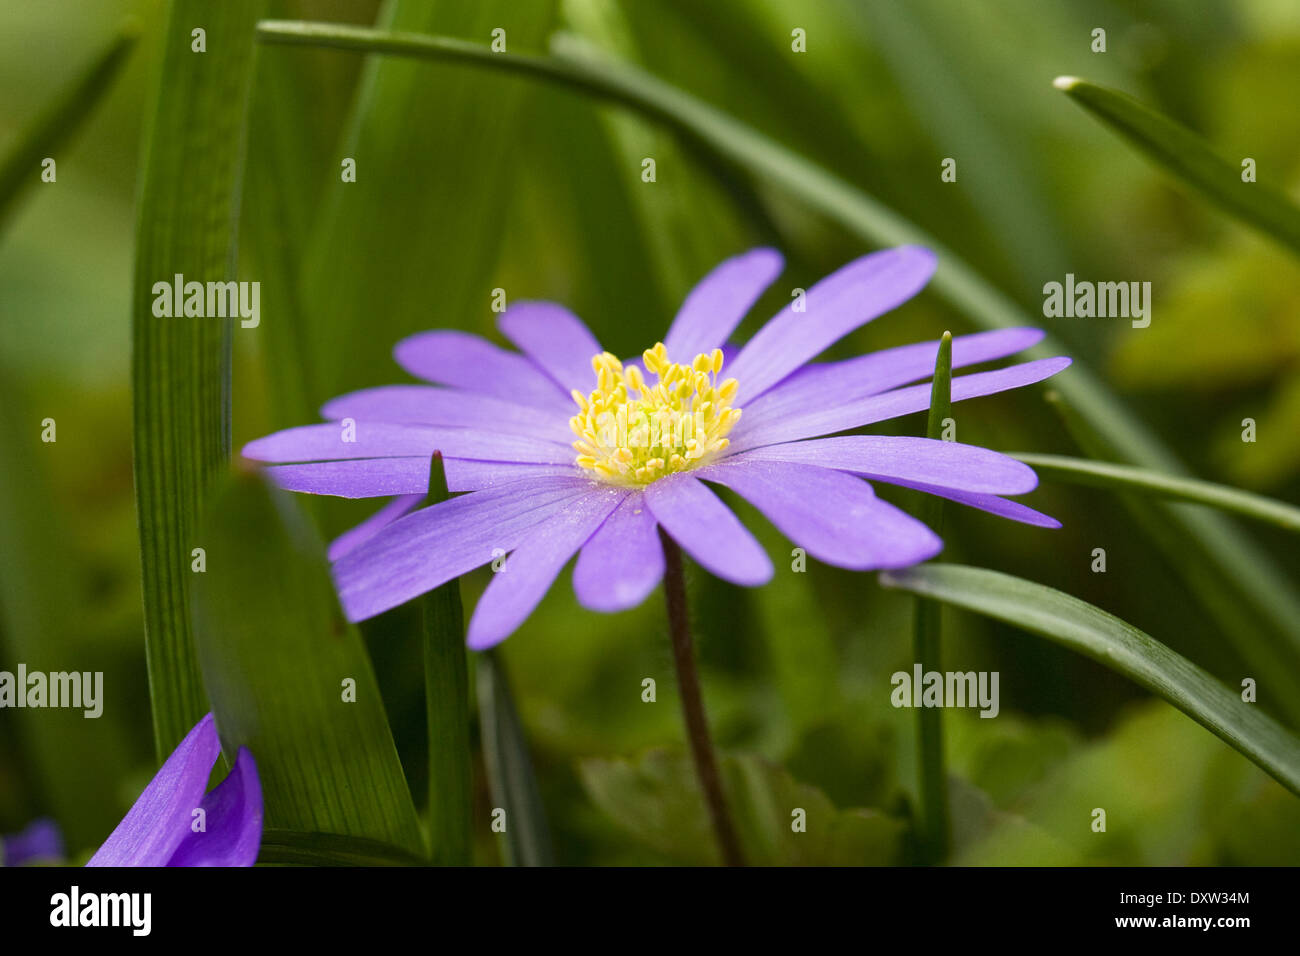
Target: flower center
[(631, 432)]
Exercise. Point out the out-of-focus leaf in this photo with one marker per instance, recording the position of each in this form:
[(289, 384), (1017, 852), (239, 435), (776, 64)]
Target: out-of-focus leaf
[(413, 242), (657, 800), (181, 365), (510, 768), (1258, 610), (1115, 644), (21, 166), (1187, 156), (70, 756), (289, 677), (293, 848), (1172, 794), (1105, 474)]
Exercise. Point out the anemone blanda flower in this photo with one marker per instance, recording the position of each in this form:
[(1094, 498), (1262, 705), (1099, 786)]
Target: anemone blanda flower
[(159, 830), (505, 423), (40, 841)]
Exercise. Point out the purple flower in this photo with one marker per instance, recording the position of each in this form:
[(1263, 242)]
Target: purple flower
[(505, 423), (40, 842), (160, 829)]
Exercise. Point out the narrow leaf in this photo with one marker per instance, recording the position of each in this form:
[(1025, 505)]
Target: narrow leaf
[(1105, 474), (510, 769), (181, 365), (1113, 643), (446, 683), (288, 676), (935, 823), (1177, 150), (57, 123)]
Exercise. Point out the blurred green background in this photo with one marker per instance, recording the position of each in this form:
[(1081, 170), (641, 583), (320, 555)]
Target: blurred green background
[(469, 181)]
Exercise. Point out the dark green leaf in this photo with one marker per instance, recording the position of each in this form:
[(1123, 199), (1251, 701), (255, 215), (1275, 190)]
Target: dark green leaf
[(289, 677), (510, 769), (446, 683)]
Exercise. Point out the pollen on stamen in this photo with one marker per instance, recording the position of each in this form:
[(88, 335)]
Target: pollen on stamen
[(632, 432)]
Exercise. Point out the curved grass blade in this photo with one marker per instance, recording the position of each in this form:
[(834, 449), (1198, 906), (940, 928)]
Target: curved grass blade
[(180, 367), (933, 837), (1105, 474), (61, 119), (1113, 643), (293, 848), (510, 769), (289, 677), (1250, 597), (1191, 159), (446, 687)]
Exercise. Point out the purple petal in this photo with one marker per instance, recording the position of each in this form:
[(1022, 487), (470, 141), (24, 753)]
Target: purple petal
[(878, 372), (430, 405), (697, 520), (624, 560), (756, 430), (357, 478), (531, 568), (554, 338), (160, 819), (467, 361), (833, 516), (834, 307), (719, 302), (433, 545), (233, 821), (40, 841), (381, 440), (385, 477), (897, 459), (381, 519), (990, 503)]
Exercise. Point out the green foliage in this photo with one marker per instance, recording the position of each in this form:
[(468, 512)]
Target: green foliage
[(657, 800), (181, 367), (289, 678)]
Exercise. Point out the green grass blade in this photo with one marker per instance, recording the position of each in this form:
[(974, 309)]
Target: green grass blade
[(1105, 474), (1179, 151), (510, 769), (1117, 645), (289, 677), (935, 826), (181, 366), (1261, 619), (21, 167), (292, 848), (446, 685)]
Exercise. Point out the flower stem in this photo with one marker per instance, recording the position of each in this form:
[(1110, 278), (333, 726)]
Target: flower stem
[(697, 722)]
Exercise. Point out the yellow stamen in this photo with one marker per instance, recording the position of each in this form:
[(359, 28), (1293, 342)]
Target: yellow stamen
[(632, 433)]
